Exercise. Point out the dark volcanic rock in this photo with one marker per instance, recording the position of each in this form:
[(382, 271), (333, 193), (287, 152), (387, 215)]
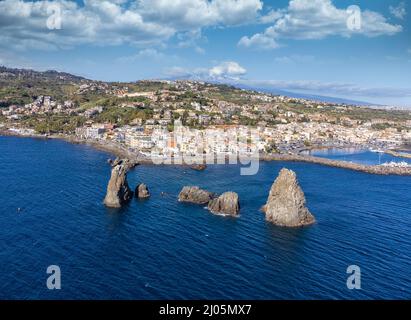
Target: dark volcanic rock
[(198, 167), (195, 195), (142, 191), (118, 191), (228, 203), (286, 202)]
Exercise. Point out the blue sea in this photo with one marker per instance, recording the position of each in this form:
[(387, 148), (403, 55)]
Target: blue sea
[(51, 213), (360, 156)]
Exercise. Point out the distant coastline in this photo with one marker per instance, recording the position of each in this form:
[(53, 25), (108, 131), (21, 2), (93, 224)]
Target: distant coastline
[(123, 152)]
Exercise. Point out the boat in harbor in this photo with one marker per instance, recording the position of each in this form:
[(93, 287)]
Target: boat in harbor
[(376, 150), (394, 164)]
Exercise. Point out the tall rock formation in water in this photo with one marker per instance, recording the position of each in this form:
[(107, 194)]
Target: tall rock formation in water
[(286, 202), (118, 191)]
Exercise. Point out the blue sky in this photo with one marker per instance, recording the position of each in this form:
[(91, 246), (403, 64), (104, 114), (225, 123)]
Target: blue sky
[(299, 45)]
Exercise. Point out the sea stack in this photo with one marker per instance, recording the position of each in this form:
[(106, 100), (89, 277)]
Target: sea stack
[(142, 191), (286, 202), (198, 167), (195, 195), (118, 191), (227, 204)]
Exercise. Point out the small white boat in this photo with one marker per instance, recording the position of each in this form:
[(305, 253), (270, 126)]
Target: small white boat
[(394, 164), (377, 150)]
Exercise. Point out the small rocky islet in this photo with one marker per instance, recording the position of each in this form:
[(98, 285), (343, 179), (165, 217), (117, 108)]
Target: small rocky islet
[(194, 194), (285, 206), (141, 191), (226, 204)]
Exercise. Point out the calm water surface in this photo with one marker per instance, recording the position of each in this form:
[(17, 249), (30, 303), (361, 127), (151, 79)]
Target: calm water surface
[(162, 249), (356, 155)]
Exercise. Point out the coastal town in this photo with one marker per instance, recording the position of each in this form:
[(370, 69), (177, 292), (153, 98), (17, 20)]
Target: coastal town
[(165, 117)]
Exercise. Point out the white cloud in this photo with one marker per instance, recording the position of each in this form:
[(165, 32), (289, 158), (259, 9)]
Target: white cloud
[(190, 39), (271, 16), (223, 70), (227, 69), (23, 24), (399, 11), (258, 41), (317, 19), (186, 14)]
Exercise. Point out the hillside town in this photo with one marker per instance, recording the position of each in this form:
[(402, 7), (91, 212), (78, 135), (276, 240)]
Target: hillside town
[(170, 118)]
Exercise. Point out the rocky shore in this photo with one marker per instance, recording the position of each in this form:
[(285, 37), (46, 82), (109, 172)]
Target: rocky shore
[(380, 170), (123, 152), (371, 169), (399, 154)]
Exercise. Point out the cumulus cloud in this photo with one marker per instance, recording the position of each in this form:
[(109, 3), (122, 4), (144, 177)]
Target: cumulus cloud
[(271, 16), (399, 11), (223, 70), (227, 69), (316, 19), (258, 41), (191, 39), (23, 24), (186, 14)]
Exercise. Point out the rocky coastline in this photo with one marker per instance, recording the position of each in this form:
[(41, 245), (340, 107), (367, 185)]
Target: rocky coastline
[(398, 154), (372, 169), (122, 152)]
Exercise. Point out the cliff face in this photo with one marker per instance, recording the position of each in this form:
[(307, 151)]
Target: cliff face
[(227, 203), (118, 191), (195, 195), (286, 202)]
